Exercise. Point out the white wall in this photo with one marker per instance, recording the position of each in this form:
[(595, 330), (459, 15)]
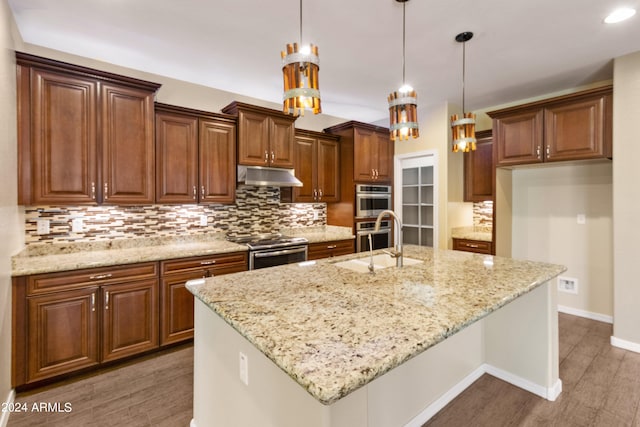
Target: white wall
[(626, 198), (11, 231), (546, 201)]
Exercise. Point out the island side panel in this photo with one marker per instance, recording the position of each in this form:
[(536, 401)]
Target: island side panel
[(521, 342), (271, 399)]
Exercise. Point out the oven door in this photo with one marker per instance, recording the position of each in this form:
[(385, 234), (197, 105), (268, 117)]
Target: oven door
[(370, 205), (380, 239), (272, 257)]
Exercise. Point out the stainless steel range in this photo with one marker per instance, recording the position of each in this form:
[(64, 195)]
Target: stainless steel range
[(274, 249)]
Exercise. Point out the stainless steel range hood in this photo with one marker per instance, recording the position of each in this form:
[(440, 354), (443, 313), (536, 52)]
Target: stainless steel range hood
[(264, 176)]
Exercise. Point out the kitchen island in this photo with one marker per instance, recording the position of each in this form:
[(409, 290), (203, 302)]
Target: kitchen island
[(328, 346)]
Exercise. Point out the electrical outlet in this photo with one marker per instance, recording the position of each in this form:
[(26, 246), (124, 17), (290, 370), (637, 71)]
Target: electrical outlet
[(203, 220), (568, 285), (42, 226), (77, 225), (315, 215), (244, 368)]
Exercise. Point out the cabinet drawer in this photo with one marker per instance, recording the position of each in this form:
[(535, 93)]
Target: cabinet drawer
[(329, 249), (478, 246), (217, 264), (64, 280)]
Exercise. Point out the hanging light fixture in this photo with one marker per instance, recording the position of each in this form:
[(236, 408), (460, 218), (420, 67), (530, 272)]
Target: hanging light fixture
[(403, 103), (463, 130), (300, 66)]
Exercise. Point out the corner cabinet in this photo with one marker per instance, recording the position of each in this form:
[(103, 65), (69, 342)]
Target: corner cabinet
[(265, 136), (479, 170), (316, 162), (195, 156), (84, 136), (571, 127)]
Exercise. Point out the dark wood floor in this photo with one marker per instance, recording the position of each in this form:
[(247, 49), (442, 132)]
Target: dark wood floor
[(601, 387)]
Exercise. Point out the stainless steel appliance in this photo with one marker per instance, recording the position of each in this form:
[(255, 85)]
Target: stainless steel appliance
[(274, 249), (372, 199), (381, 239)]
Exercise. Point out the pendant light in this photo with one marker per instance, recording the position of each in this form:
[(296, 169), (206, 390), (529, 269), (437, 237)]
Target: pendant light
[(403, 103), (300, 66), (463, 130)]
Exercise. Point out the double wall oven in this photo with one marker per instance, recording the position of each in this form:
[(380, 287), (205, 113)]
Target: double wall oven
[(370, 201)]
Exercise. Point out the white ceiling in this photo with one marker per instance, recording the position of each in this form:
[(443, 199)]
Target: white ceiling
[(520, 49)]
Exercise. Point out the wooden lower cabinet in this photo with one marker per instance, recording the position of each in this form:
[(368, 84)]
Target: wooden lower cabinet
[(130, 319), (330, 249), (62, 333)]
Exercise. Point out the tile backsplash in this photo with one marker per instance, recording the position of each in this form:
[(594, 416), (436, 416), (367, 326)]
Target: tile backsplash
[(483, 214), (256, 210)]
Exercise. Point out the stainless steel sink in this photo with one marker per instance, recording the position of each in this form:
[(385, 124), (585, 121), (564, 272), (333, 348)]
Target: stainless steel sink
[(380, 261)]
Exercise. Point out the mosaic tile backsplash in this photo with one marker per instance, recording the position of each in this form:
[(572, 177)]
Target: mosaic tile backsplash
[(483, 214), (256, 210)]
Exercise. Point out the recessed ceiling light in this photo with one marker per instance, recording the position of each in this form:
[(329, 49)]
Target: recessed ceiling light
[(619, 15)]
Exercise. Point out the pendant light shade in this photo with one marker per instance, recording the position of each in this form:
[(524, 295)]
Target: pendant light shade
[(300, 66), (403, 103), (463, 129)]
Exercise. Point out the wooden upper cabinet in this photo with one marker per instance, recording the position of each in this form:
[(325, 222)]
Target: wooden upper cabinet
[(571, 127), (317, 165), (63, 136), (479, 170), (127, 145), (217, 161), (373, 156), (84, 136), (195, 156), (265, 136)]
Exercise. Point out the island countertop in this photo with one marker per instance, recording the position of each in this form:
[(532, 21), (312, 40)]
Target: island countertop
[(334, 330)]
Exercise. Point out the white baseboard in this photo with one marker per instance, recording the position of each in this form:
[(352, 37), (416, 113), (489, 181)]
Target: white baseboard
[(627, 345), (4, 417), (587, 314), (447, 397), (549, 393)]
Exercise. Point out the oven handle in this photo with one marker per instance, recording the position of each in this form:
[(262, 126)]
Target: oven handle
[(277, 253), (366, 232)]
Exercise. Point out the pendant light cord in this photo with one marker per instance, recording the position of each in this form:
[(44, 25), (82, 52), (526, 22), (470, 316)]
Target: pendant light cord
[(464, 44), (403, 40), (300, 22)]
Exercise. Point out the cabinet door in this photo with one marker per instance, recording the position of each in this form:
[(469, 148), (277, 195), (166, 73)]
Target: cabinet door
[(519, 138), (176, 307), (127, 145), (574, 131), (217, 162), (62, 333), (63, 138), (176, 158), (383, 150), (130, 318), (328, 170), (253, 139), (364, 166), (479, 171), (281, 137), (305, 166)]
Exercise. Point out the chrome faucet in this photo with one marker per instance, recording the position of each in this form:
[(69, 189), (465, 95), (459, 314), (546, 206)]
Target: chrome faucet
[(397, 253)]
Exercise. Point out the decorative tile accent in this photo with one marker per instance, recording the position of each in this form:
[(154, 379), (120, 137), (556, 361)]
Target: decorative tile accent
[(483, 214), (257, 210)]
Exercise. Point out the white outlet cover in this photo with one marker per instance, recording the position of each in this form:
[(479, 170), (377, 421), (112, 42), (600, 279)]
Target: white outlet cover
[(42, 226), (244, 368), (568, 285), (77, 225), (203, 220)]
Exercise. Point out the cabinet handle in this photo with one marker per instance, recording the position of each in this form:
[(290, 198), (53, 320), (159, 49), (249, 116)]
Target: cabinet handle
[(208, 262), (106, 300), (320, 194), (93, 191), (377, 174), (195, 192), (538, 151), (100, 276), (315, 194), (332, 246), (266, 156), (202, 191), (469, 245), (106, 191), (93, 301), (373, 173), (548, 154), (273, 156)]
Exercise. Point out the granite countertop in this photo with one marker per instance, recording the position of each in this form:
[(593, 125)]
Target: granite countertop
[(49, 258), (334, 330), (472, 233)]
